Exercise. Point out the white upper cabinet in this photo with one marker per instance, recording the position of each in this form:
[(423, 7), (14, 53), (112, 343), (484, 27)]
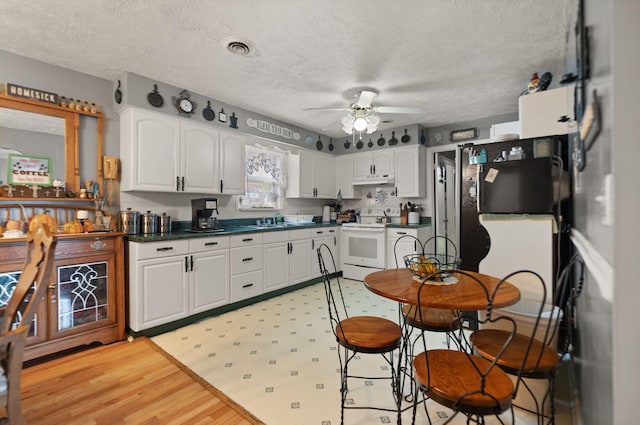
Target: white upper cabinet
[(410, 165), (311, 175), (165, 154), (376, 163), (143, 135), (199, 157), (344, 178), (539, 112), (232, 163)]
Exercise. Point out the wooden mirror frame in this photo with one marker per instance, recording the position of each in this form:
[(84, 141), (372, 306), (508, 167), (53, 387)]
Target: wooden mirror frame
[(72, 123)]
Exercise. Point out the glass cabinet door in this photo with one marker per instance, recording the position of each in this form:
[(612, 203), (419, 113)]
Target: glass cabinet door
[(9, 275), (83, 296)]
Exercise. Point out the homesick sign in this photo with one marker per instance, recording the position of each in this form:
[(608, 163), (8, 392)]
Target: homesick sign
[(32, 94)]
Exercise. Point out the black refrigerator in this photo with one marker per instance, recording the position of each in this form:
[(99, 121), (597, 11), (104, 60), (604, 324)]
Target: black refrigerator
[(511, 177)]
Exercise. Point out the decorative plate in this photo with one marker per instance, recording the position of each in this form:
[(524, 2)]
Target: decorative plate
[(208, 113), (154, 98), (309, 140)]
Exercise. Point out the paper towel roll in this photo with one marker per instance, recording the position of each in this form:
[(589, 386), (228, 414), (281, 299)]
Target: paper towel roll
[(326, 214)]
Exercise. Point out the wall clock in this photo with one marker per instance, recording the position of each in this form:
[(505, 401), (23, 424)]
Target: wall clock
[(186, 106)]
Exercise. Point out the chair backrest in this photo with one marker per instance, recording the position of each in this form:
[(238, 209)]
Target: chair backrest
[(481, 369), (443, 251), (332, 287), (568, 289), (33, 282)]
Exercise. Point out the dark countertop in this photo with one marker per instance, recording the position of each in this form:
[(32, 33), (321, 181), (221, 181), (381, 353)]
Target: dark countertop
[(233, 229), (237, 229)]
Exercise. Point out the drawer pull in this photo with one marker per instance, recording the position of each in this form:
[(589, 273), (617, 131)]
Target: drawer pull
[(247, 259), (166, 248), (319, 232), (401, 233), (247, 239), (210, 243), (98, 245), (248, 285)]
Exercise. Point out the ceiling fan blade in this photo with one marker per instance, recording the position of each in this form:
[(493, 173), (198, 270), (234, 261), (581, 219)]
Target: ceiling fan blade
[(326, 109), (366, 97), (398, 110)]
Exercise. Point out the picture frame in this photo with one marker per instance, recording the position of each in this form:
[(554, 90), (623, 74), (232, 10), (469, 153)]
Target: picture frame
[(29, 170), (462, 135)]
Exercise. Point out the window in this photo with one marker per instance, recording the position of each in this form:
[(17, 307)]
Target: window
[(264, 170)]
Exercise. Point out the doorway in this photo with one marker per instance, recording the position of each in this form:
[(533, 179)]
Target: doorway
[(443, 190)]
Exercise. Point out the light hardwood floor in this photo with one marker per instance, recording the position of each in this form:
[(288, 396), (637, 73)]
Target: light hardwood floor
[(123, 383)]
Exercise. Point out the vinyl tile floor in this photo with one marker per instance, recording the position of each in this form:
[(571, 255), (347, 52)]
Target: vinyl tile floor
[(278, 359)]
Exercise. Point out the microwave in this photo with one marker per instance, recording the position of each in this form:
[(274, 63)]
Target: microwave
[(516, 187)]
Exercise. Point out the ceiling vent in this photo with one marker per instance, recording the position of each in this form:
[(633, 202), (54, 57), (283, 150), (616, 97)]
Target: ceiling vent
[(239, 47)]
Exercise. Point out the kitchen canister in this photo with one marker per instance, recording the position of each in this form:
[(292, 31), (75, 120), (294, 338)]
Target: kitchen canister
[(414, 217), (149, 222), (164, 223), (130, 222)]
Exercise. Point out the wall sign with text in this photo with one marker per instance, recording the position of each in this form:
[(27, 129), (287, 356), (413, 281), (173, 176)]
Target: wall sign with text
[(29, 170)]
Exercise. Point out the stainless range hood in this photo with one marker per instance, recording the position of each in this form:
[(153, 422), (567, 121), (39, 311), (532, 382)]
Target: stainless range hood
[(374, 179)]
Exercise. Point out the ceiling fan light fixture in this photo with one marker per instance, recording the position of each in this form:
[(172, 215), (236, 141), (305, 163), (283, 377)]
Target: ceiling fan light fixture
[(360, 124)]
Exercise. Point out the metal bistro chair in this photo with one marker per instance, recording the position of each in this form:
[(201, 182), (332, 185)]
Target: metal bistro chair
[(358, 334), (535, 354), (461, 380), (17, 317), (442, 252)]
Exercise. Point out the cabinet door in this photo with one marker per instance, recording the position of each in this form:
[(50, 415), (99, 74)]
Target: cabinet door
[(404, 247), (315, 266), (362, 164), (307, 175), (275, 267), (232, 164), (84, 296), (162, 292), (410, 167), (9, 275), (300, 261), (142, 136), (324, 177), (199, 155), (383, 162), (208, 280), (344, 178)]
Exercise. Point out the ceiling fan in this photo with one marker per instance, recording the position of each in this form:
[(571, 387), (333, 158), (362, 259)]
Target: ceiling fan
[(362, 115)]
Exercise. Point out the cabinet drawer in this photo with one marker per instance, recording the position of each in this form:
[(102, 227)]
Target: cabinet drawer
[(141, 251), (279, 236), (246, 285), (208, 244), (246, 259), (89, 246), (396, 233), (246, 239), (295, 235)]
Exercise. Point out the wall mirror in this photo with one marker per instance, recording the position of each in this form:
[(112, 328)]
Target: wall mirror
[(33, 128)]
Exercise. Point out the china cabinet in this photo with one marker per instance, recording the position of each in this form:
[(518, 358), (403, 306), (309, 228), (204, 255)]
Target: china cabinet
[(85, 301)]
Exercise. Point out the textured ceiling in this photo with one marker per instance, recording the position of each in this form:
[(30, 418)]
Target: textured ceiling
[(459, 60)]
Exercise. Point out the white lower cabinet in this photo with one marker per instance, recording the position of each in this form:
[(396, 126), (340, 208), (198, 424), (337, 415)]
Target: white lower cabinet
[(405, 246), (331, 237), (287, 258), (208, 273), (172, 280), (246, 266)]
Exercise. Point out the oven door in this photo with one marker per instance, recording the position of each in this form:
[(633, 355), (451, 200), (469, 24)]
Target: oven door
[(364, 246)]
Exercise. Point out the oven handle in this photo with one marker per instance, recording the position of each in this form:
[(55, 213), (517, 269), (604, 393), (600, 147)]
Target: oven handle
[(364, 229)]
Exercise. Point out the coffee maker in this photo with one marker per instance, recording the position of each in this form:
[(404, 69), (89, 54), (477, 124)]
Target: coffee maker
[(204, 214)]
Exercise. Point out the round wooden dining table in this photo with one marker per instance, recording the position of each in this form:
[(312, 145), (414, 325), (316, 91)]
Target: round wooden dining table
[(464, 295)]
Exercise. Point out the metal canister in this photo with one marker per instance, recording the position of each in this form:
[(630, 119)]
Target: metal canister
[(130, 222), (164, 223), (149, 222)]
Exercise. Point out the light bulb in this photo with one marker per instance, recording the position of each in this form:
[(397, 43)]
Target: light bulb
[(360, 124)]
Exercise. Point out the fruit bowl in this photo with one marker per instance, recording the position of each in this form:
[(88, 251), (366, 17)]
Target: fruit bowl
[(433, 266)]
